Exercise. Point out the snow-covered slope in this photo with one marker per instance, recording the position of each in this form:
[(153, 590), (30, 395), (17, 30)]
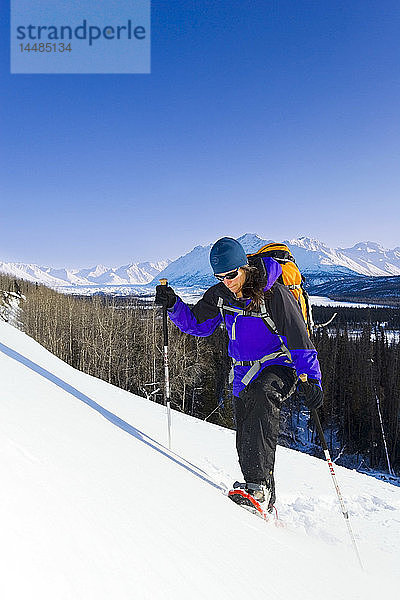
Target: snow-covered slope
[(94, 506)]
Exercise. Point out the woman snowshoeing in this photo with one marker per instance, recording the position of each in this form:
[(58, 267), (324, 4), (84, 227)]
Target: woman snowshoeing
[(270, 349)]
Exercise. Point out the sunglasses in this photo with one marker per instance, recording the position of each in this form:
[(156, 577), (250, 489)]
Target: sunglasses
[(230, 275)]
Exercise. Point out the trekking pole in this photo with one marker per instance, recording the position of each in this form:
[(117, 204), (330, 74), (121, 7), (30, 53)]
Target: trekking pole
[(332, 472), (166, 368)]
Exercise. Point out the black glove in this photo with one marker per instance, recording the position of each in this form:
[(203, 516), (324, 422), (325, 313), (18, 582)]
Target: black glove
[(165, 296), (310, 392)]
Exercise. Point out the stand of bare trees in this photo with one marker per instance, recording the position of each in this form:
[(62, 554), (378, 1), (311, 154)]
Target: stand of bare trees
[(119, 340)]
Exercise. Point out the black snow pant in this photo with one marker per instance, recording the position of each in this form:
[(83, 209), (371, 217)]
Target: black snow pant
[(257, 411)]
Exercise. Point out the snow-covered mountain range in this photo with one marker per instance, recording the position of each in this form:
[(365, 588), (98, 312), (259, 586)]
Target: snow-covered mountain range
[(313, 257), (192, 269), (99, 275)]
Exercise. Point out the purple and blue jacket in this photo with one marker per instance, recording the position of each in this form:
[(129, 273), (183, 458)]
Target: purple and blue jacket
[(249, 337)]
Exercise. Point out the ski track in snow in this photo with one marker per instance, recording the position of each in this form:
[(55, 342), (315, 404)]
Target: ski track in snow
[(95, 506)]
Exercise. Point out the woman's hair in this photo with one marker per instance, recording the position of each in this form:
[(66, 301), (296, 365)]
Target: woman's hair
[(253, 287)]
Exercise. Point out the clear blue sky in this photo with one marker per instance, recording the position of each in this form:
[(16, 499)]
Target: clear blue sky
[(280, 118)]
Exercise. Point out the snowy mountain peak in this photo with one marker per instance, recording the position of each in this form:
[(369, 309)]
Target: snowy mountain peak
[(308, 244), (96, 271), (99, 270), (251, 242), (367, 247)]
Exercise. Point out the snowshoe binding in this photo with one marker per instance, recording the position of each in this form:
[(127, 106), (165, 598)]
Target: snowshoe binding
[(252, 496)]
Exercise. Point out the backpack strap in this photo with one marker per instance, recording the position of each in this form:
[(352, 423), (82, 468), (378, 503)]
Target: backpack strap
[(255, 365), (236, 311), (264, 314), (220, 304)]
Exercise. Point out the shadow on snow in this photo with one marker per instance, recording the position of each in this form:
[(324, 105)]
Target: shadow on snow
[(111, 417)]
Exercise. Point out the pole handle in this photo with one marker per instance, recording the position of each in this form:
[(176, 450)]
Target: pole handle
[(164, 281)]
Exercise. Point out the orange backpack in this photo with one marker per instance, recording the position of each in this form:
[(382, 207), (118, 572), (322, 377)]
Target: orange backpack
[(291, 276)]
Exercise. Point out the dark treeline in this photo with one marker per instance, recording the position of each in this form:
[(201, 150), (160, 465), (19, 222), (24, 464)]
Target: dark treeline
[(353, 317), (357, 371), (120, 340)]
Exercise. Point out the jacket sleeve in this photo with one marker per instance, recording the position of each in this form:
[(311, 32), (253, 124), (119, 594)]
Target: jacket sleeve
[(201, 320), (289, 321)]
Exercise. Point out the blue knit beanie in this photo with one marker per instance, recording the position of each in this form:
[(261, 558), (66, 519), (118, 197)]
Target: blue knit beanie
[(226, 255)]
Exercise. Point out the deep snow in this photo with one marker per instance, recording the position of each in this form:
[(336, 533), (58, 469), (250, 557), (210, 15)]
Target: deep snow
[(94, 506)]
